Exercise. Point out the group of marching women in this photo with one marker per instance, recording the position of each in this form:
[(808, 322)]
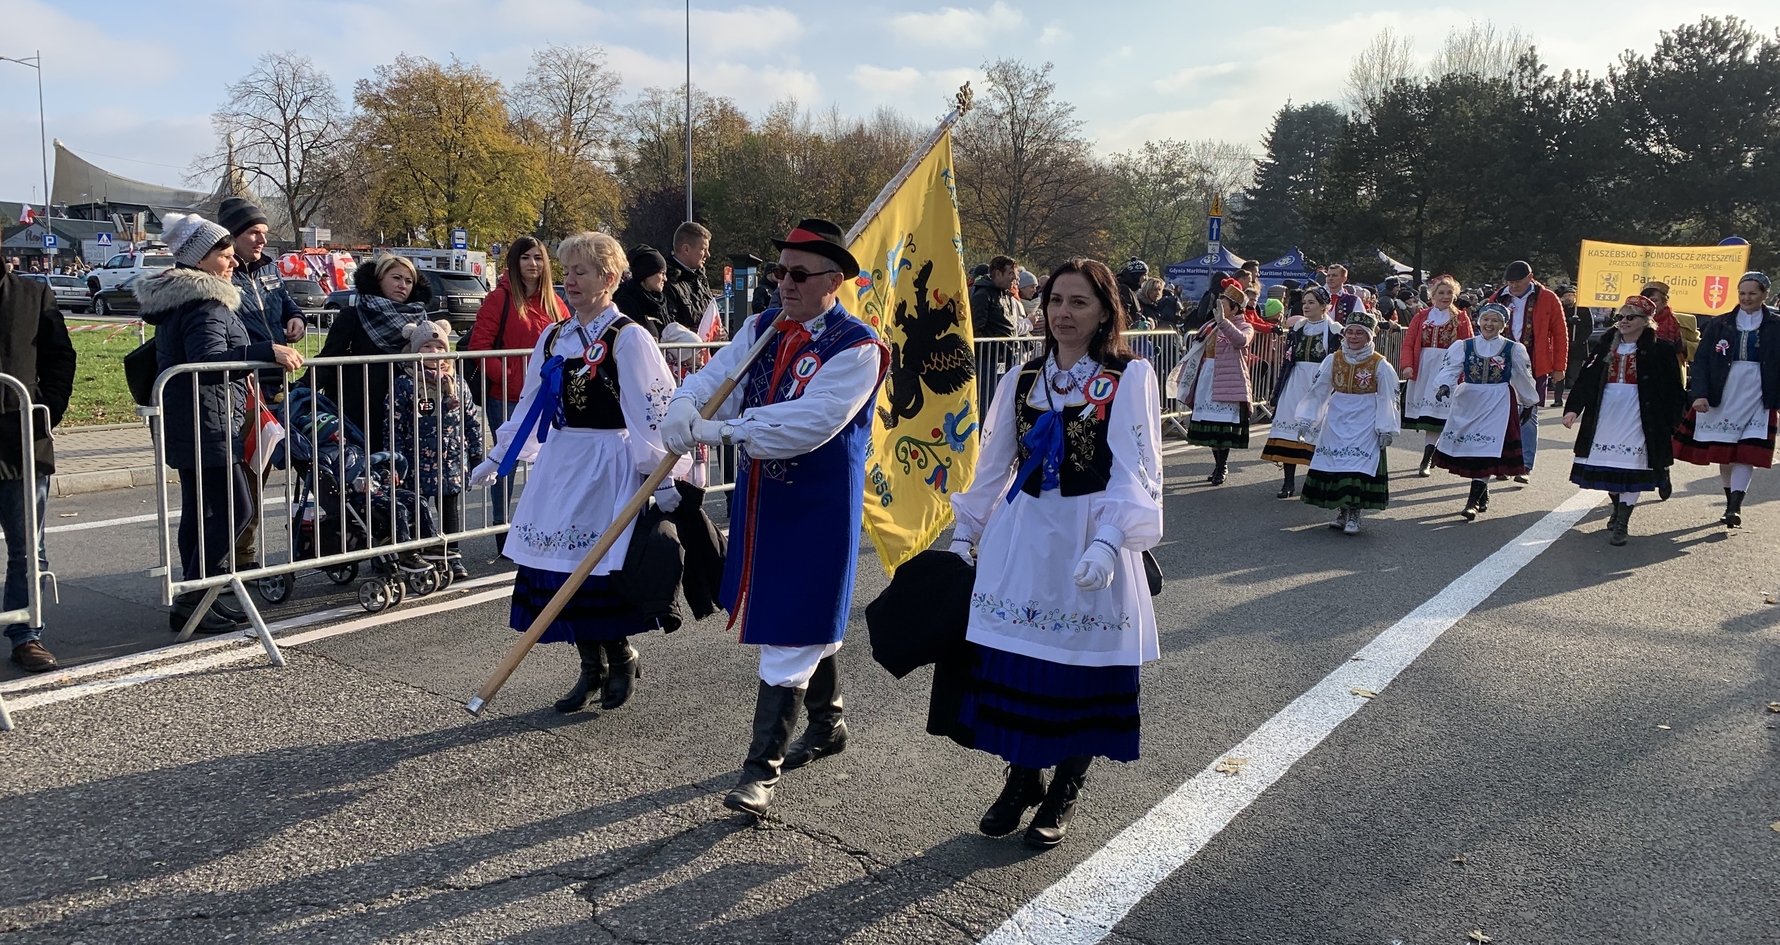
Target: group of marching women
[(1470, 388), (1065, 503)]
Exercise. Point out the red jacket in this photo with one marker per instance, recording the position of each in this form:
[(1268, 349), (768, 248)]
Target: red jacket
[(525, 325), (1411, 358), (1550, 346)]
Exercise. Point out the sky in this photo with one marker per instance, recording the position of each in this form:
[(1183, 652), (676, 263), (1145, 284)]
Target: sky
[(130, 85)]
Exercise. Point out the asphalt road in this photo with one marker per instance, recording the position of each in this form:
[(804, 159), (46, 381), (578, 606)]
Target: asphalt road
[(1585, 756)]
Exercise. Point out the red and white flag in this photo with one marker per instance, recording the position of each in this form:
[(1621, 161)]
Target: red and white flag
[(710, 327), (263, 433), (27, 216)]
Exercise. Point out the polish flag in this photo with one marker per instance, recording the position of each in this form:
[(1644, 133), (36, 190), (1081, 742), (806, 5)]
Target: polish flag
[(710, 327), (27, 216), (264, 433)]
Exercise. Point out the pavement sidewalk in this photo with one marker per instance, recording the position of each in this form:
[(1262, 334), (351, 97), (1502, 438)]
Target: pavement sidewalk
[(96, 458)]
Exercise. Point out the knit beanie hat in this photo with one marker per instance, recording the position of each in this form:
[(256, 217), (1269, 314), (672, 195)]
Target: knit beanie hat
[(646, 261), (190, 237), (421, 332), (237, 214)]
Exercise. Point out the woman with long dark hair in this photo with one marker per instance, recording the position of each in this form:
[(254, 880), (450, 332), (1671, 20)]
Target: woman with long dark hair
[(514, 315), (1629, 399), (1068, 495)]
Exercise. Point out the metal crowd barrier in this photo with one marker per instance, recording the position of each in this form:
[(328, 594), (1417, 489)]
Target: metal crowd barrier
[(15, 397)]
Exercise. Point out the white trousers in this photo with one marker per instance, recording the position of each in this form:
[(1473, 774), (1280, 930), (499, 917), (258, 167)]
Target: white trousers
[(792, 666)]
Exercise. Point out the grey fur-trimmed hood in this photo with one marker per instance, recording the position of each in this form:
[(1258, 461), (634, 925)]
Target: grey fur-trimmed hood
[(172, 289)]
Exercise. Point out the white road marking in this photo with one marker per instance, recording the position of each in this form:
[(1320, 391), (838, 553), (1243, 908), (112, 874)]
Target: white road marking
[(103, 523), (1084, 906), (189, 651)]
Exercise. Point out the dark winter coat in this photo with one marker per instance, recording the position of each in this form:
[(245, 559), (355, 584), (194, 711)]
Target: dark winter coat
[(438, 428), (265, 307), (194, 317), (687, 293), (1712, 367), (669, 554), (1661, 399), (993, 312), (34, 348), (361, 391), (646, 308)]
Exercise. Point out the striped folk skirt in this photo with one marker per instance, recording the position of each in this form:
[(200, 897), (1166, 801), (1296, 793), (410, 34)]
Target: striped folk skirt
[(1749, 451), (596, 612), (1347, 490), (1220, 436), (1035, 713)]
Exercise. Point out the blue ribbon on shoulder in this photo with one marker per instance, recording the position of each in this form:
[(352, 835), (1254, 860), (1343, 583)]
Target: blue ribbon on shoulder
[(1044, 450), (548, 402)]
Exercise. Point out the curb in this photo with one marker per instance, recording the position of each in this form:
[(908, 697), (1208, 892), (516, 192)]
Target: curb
[(102, 480)]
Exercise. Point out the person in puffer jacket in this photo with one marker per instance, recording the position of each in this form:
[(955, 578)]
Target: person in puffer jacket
[(435, 424)]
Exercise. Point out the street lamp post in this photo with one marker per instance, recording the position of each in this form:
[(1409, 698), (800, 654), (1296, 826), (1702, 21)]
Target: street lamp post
[(36, 62), (688, 111)]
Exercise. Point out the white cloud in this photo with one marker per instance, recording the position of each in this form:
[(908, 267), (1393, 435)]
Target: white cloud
[(958, 27), (1052, 35), (1185, 80), (914, 92), (743, 28)]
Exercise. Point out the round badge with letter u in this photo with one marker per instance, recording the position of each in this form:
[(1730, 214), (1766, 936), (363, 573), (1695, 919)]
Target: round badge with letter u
[(1100, 392), (596, 355), (802, 370)]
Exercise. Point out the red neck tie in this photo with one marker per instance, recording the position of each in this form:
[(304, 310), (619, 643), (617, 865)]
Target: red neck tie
[(795, 337)]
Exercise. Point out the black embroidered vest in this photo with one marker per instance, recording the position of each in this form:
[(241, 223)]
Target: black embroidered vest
[(1087, 459)]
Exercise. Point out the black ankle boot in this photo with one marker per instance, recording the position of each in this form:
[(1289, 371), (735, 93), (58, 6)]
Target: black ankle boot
[(1622, 519), (775, 714), (593, 676), (1291, 484), (1221, 470), (625, 671), (1427, 467), (1051, 823), (827, 732), (1733, 508), (1025, 789), (1477, 500)]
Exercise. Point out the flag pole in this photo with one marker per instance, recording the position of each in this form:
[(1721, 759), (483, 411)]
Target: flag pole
[(960, 104)]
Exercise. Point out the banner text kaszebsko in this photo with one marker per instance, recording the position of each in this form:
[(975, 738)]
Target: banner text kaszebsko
[(1702, 280)]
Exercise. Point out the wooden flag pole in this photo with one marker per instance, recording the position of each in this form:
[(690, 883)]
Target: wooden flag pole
[(522, 646), (960, 104)]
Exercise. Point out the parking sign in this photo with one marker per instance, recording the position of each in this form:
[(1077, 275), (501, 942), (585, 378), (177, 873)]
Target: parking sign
[(49, 242), (460, 238)]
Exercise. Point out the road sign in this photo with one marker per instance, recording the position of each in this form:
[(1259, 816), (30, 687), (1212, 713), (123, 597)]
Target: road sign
[(103, 239), (494, 250), (460, 238), (728, 277), (49, 242), (1214, 229)]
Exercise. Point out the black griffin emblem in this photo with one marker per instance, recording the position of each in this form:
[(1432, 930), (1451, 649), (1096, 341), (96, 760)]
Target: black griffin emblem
[(927, 355)]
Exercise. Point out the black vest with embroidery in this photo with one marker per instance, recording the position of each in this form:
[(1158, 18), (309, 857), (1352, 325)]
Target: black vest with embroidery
[(590, 398), (1087, 459)]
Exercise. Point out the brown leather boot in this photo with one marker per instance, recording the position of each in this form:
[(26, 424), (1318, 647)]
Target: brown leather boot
[(32, 657)]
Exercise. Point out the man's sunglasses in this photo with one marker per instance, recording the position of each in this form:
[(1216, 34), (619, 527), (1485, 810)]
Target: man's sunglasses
[(800, 276)]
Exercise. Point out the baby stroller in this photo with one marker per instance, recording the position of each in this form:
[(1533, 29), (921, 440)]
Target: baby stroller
[(349, 500)]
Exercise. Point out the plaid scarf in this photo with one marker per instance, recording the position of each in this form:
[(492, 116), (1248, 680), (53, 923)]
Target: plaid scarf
[(383, 320)]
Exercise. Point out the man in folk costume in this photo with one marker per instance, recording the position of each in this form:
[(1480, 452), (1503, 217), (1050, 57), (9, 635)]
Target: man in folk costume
[(1537, 322), (1343, 300), (801, 423)]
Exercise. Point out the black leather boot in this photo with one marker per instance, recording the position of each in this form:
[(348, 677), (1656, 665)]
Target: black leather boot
[(1483, 497), (1051, 822), (1221, 470), (621, 678), (1025, 789), (1733, 509), (1290, 488), (1475, 502), (593, 676), (1622, 518), (775, 714), (827, 732), (1427, 467), (212, 622)]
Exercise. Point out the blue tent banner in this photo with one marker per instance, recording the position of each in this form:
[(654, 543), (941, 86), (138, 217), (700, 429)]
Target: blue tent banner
[(1193, 276)]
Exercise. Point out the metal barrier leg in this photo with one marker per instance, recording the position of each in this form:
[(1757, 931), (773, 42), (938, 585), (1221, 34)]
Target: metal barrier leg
[(273, 654), (191, 623), (5, 717)]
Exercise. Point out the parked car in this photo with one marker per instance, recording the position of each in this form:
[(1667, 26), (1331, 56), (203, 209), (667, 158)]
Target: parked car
[(307, 293), (457, 296), (71, 293), (341, 299), (119, 299), (123, 267)]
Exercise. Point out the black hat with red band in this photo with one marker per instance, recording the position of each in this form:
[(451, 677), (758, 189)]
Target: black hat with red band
[(824, 239)]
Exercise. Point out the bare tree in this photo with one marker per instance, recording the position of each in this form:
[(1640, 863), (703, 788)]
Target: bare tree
[(1482, 50), (566, 108), (281, 129), (1162, 191), (1387, 60)]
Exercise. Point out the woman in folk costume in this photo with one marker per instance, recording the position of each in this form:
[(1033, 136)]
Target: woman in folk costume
[(1068, 496), (1629, 398), (596, 390), (1488, 379), (1307, 344), (1350, 413), (1735, 386), (1431, 332), (1219, 397)]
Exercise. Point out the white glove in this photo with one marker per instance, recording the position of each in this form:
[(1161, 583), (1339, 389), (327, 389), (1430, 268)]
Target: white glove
[(708, 431), (963, 549), (1384, 438), (485, 473), (667, 497), (1094, 571), (676, 428)]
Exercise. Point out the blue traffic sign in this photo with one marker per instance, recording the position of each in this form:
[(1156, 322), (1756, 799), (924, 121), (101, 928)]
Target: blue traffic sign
[(49, 241), (1214, 229), (103, 239), (460, 238)]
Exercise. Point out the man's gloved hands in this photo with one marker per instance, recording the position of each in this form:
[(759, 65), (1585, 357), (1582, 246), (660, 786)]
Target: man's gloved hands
[(1094, 571), (676, 428), (1384, 438), (667, 497), (964, 549), (484, 474), (709, 432)]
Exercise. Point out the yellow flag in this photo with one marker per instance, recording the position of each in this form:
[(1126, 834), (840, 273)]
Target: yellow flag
[(1702, 279), (912, 289)]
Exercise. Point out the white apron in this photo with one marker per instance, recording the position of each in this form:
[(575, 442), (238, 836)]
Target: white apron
[(1285, 417), (1619, 431), (1418, 396), (1478, 422), (1205, 409), (1740, 414), (574, 489), (1349, 440)]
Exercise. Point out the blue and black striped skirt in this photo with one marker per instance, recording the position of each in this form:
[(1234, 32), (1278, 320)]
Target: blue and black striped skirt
[(1035, 713), (596, 612)]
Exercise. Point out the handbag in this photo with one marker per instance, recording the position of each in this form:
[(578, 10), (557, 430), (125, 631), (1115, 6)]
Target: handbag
[(473, 375), (141, 367)]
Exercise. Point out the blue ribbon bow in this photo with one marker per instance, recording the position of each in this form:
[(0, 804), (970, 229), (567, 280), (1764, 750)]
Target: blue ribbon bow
[(1044, 450), (547, 402)]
